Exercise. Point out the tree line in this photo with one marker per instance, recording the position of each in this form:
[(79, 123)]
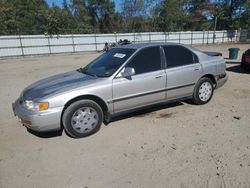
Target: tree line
[(100, 16)]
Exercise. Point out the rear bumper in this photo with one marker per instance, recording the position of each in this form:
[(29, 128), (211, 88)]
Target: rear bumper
[(47, 120), (221, 80)]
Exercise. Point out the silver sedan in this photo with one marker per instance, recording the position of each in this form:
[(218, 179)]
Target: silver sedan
[(124, 79)]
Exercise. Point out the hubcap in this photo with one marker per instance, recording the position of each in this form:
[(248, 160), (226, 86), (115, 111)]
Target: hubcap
[(205, 91), (84, 120)]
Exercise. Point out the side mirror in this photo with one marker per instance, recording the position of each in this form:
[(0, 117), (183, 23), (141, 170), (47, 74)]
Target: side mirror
[(127, 72)]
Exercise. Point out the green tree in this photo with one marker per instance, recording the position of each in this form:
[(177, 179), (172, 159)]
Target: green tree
[(231, 14), (8, 24), (89, 16), (170, 15), (23, 16), (81, 17), (102, 14), (30, 15), (245, 15), (136, 14), (198, 12)]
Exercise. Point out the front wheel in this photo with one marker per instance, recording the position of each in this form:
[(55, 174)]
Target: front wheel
[(203, 91), (82, 118)]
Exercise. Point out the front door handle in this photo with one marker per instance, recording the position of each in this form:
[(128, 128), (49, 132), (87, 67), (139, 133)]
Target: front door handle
[(196, 68), (159, 76)]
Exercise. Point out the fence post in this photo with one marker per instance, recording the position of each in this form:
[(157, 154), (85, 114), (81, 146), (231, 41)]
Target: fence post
[(236, 38), (73, 43), (21, 44), (165, 36), (191, 38), (203, 37), (149, 36), (179, 37), (207, 37), (95, 42), (49, 44), (115, 37), (134, 37), (223, 37), (214, 36)]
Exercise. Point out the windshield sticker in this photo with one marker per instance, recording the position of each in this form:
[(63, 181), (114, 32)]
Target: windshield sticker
[(119, 55)]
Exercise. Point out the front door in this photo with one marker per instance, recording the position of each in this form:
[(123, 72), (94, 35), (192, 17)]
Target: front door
[(146, 87)]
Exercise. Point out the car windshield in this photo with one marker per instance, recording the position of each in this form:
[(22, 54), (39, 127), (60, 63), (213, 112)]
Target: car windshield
[(106, 64)]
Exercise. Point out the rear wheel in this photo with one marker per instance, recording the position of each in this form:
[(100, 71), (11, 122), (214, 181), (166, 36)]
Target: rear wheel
[(82, 118), (203, 91)]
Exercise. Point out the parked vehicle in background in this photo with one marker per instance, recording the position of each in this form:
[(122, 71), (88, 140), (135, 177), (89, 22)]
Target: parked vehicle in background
[(108, 46), (121, 80), (245, 60), (124, 42)]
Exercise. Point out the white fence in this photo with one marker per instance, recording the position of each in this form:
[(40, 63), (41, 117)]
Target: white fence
[(40, 44)]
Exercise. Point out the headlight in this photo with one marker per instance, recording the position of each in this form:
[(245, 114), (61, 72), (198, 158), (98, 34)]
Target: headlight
[(30, 105)]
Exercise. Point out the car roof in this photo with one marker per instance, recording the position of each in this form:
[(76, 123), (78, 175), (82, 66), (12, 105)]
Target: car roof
[(144, 45)]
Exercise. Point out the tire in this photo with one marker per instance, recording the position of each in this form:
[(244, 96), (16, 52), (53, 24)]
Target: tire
[(82, 118), (203, 91)]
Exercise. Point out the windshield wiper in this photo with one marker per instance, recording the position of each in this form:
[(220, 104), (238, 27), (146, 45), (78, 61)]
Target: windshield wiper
[(85, 72), (81, 70)]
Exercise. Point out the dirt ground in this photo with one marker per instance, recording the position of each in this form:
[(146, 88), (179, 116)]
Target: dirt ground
[(177, 145)]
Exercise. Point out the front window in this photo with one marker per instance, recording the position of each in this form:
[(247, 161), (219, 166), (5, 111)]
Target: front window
[(147, 60), (108, 63)]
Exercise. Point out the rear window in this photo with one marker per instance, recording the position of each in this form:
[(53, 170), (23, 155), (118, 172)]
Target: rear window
[(179, 56)]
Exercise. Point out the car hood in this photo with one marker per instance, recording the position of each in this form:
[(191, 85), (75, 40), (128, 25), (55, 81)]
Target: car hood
[(57, 84)]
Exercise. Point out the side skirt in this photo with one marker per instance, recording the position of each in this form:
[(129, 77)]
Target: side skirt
[(108, 117)]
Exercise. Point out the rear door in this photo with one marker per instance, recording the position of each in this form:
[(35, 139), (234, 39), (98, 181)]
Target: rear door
[(183, 71), (148, 84)]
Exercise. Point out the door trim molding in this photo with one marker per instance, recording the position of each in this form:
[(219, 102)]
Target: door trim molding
[(149, 93)]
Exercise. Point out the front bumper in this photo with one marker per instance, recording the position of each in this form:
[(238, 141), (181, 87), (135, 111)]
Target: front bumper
[(47, 120), (221, 80)]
